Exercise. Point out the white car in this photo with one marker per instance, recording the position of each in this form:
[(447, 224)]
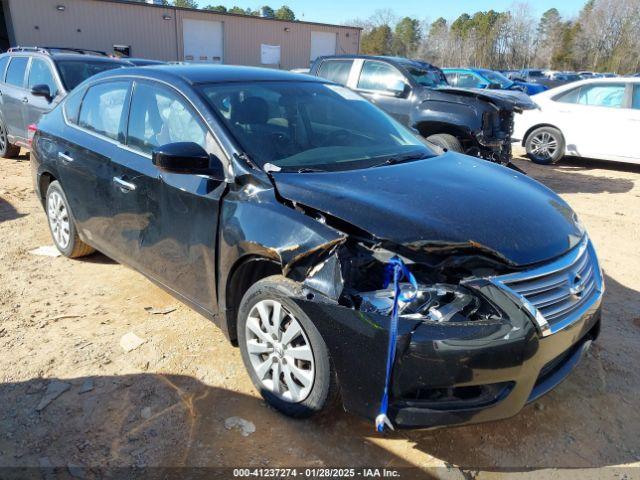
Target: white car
[(595, 118)]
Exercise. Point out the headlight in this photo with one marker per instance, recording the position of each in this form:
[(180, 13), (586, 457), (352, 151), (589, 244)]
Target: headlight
[(437, 303)]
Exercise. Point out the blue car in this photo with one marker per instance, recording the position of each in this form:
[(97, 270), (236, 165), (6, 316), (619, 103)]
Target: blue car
[(484, 78)]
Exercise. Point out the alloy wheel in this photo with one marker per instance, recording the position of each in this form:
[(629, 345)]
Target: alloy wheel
[(279, 351), (58, 219), (544, 145)]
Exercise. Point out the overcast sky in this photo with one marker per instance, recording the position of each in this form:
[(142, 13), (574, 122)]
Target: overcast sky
[(339, 11)]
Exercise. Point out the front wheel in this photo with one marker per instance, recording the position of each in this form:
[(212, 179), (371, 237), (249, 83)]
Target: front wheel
[(446, 141), (283, 351), (545, 145), (63, 230)]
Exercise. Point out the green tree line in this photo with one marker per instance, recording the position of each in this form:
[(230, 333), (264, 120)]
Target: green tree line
[(603, 36), (282, 13)]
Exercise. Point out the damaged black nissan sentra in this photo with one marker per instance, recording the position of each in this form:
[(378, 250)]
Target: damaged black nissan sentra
[(271, 202)]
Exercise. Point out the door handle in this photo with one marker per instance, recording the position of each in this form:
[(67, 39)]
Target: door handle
[(124, 185), (64, 157), (25, 100)]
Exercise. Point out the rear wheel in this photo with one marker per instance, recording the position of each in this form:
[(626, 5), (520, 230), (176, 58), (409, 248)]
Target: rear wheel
[(446, 141), (545, 145), (63, 230), (6, 149), (283, 351)]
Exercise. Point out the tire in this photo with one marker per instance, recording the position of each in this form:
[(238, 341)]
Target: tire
[(289, 395), (446, 141), (6, 149), (545, 145), (61, 224)]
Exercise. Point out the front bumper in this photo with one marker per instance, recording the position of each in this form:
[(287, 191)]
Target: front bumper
[(450, 373)]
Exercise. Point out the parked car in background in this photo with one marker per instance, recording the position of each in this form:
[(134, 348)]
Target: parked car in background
[(586, 75), (142, 62), (300, 70), (272, 202), (33, 81), (536, 76), (473, 121), (484, 78), (563, 77), (598, 118)]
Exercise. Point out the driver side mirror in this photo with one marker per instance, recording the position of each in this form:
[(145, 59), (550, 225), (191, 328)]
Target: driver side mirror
[(398, 88), (42, 90), (187, 158)]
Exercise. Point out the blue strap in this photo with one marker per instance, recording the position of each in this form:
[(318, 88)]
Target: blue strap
[(395, 270)]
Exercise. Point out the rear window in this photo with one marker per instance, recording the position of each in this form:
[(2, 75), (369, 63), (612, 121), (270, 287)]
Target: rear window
[(336, 70), (74, 72), (16, 71)]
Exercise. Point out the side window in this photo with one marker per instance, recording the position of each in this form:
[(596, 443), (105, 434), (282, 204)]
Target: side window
[(635, 101), (378, 76), (4, 61), (160, 116), (602, 95), (16, 71), (40, 74), (452, 78), (102, 108), (72, 105), (467, 80), (335, 70)]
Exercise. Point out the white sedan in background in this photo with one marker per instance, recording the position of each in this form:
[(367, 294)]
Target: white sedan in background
[(595, 118)]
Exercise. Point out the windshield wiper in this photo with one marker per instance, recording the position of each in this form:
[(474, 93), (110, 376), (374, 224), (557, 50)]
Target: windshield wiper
[(309, 170), (402, 158)]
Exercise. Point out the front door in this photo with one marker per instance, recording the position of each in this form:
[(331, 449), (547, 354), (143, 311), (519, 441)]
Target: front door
[(166, 223), (376, 82), (40, 73), (590, 118)]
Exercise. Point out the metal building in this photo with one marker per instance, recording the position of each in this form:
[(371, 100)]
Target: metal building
[(171, 34)]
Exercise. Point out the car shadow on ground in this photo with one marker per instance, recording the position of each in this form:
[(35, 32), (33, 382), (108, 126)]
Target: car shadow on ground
[(572, 176), (8, 211), (143, 420)]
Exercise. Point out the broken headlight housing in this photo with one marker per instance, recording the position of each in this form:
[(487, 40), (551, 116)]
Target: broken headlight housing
[(436, 303)]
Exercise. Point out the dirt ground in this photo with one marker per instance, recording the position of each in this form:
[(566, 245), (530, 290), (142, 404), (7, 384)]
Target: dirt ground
[(165, 403)]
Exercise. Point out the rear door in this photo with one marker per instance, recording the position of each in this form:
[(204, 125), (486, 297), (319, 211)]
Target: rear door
[(632, 122), (375, 80), (96, 119), (14, 98), (166, 223), (40, 73), (336, 70)]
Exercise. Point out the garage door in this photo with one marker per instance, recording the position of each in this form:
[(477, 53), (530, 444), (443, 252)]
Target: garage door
[(202, 40), (322, 43)]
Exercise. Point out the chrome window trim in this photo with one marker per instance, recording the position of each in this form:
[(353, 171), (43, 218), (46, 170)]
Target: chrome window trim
[(562, 263)]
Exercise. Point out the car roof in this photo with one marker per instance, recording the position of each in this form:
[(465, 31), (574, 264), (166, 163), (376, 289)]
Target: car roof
[(401, 60), (65, 56), (207, 73)]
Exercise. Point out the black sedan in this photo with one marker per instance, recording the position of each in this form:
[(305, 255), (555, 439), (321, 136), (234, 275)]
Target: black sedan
[(272, 203)]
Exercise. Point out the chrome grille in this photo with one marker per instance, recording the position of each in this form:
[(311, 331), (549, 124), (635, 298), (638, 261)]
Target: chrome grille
[(558, 293)]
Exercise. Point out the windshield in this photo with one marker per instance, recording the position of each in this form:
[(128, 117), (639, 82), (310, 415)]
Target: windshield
[(74, 72), (497, 78), (304, 126), (427, 77)]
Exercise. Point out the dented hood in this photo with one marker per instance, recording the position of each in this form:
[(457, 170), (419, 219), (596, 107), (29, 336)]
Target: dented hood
[(449, 200), (505, 99)]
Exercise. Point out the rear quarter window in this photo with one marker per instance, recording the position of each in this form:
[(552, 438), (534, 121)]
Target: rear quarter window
[(102, 108), (72, 105), (4, 61)]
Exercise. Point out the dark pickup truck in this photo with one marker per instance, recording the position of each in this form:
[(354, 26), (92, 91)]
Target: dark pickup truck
[(478, 122)]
